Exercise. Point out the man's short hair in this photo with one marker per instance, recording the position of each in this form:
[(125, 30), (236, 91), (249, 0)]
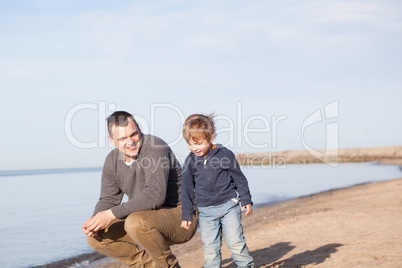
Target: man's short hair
[(119, 119)]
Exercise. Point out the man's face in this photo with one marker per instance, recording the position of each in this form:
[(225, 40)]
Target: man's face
[(127, 139)]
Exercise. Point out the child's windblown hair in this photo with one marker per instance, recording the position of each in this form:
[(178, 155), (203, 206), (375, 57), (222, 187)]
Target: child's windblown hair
[(199, 126)]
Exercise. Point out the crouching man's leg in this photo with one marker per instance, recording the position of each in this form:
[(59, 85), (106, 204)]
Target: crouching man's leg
[(156, 230), (115, 243)]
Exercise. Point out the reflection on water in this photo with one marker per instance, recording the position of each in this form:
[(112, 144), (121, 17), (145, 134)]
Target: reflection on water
[(43, 213)]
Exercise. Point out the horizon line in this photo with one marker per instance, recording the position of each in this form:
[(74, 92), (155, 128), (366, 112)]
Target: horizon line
[(25, 172)]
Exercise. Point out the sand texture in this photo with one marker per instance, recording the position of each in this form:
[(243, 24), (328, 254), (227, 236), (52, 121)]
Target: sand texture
[(359, 226)]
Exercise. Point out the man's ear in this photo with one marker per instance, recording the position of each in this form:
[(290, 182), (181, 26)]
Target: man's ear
[(111, 140)]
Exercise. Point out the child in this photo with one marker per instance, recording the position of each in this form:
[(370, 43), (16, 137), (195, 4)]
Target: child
[(213, 180)]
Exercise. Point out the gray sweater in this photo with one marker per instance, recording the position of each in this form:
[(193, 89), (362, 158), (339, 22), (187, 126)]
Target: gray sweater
[(153, 180)]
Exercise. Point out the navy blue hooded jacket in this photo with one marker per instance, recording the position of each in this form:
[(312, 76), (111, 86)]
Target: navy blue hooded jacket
[(212, 180)]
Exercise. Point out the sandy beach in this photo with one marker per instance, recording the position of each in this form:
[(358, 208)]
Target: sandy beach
[(360, 226)]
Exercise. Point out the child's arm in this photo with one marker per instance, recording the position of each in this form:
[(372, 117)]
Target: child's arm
[(248, 208), (239, 179)]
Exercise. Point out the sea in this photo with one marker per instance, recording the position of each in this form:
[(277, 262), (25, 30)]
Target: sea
[(42, 211)]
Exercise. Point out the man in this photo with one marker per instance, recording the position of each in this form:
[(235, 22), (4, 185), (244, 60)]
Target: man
[(138, 232)]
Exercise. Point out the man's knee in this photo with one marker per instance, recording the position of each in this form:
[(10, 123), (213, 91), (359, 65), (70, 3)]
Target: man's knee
[(111, 234), (95, 243), (135, 225)]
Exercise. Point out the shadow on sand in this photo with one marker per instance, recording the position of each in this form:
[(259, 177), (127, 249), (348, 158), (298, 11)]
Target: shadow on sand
[(268, 257)]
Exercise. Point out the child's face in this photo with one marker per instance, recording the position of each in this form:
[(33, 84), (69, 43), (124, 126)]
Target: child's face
[(201, 147)]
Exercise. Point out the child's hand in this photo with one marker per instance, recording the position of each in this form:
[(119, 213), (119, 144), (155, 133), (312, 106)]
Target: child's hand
[(185, 224), (248, 208)]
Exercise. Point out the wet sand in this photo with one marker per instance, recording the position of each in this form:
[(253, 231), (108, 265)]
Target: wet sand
[(360, 226)]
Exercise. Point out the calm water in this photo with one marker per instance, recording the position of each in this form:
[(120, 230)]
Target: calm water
[(42, 213)]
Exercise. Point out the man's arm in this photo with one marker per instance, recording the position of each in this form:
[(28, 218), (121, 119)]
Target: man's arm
[(110, 196), (187, 193)]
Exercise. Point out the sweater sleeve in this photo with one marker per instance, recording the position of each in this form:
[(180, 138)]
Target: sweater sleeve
[(187, 190), (156, 168), (111, 194), (239, 179)]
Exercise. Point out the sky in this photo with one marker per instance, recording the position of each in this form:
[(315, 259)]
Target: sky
[(278, 75)]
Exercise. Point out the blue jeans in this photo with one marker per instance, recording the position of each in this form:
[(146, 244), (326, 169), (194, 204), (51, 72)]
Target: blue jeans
[(212, 221)]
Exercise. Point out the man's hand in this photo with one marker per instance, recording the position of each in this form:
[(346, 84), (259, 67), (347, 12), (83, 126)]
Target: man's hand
[(98, 222), (185, 224), (248, 208)]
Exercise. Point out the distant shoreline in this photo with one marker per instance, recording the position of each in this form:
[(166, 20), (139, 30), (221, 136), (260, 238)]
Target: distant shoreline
[(28, 172), (384, 155), (391, 155)]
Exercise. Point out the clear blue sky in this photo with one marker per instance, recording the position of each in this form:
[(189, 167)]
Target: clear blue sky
[(65, 64)]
